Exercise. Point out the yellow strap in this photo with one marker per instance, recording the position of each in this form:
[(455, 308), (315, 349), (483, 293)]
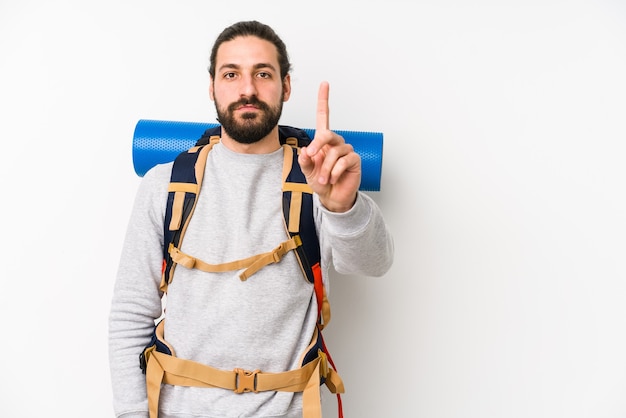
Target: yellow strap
[(287, 161), (311, 399), (183, 187), (154, 377), (176, 371), (325, 311), (177, 210), (273, 256), (297, 187), (333, 382), (163, 368), (295, 208), (296, 190), (251, 264), (180, 189)]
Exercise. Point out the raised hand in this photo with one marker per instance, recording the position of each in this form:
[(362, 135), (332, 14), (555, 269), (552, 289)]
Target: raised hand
[(331, 167)]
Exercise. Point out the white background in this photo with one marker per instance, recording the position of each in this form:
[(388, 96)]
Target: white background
[(503, 183)]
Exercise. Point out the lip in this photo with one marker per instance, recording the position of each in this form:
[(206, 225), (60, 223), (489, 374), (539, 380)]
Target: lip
[(247, 107)]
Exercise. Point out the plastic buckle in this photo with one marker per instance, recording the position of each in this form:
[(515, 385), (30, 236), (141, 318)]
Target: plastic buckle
[(278, 253), (143, 358), (245, 381)]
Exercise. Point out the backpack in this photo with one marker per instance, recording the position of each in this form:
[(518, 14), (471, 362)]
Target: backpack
[(158, 360)]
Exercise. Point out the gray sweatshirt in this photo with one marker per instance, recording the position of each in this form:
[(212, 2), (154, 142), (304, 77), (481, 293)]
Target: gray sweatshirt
[(262, 323)]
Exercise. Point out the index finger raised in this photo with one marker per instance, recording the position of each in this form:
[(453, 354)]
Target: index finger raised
[(322, 120)]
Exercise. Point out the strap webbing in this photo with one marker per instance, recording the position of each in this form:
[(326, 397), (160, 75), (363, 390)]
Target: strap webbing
[(181, 192), (164, 368), (251, 264), (296, 190)]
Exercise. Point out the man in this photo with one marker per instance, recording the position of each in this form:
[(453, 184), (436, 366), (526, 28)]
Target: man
[(266, 322)]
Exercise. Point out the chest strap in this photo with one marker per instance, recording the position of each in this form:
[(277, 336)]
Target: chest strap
[(250, 264)]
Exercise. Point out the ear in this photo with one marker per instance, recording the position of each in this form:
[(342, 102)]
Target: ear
[(286, 87), (211, 93)]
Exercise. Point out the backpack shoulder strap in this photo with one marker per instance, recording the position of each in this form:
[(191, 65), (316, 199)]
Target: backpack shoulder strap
[(183, 190), (298, 213), (298, 201)]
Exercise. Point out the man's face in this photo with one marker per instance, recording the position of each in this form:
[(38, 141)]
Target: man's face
[(248, 90)]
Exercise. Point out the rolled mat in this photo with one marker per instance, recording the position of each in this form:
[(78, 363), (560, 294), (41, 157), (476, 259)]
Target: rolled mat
[(160, 141)]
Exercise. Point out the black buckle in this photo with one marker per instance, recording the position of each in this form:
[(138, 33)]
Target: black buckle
[(143, 364)]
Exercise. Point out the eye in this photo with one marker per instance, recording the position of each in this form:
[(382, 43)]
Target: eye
[(264, 74), (229, 76)]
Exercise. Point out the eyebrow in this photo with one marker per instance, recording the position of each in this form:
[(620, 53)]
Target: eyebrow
[(258, 66)]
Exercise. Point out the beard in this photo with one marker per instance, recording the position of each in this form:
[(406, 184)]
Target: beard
[(254, 126)]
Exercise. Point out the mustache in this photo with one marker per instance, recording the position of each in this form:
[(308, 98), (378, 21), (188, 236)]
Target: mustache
[(252, 100)]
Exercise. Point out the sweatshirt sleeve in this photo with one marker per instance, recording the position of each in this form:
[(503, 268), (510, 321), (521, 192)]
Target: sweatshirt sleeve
[(357, 241), (136, 301)]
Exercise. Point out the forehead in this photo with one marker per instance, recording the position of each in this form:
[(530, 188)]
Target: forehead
[(245, 51)]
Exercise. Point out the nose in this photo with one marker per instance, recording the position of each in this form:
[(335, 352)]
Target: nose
[(248, 86)]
